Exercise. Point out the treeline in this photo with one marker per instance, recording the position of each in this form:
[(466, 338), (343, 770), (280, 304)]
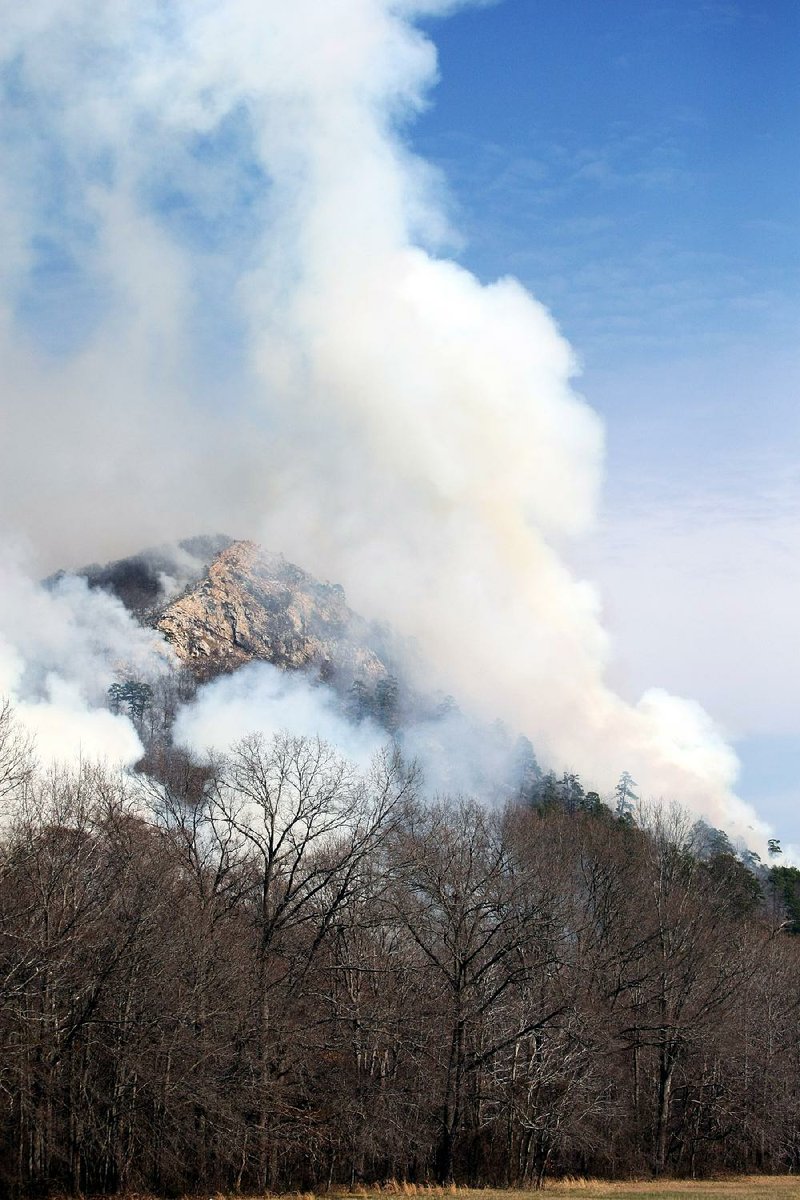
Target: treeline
[(275, 972)]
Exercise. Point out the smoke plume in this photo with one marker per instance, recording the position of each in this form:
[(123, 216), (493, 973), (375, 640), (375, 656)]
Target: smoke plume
[(227, 303), (453, 755), (60, 649), (260, 698)]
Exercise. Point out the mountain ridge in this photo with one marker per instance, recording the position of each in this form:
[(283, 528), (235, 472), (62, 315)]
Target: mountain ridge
[(252, 604)]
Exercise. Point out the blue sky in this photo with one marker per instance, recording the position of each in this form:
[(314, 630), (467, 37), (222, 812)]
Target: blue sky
[(603, 149), (636, 166)]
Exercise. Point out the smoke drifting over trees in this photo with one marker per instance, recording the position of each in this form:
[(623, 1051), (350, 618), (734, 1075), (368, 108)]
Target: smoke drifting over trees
[(280, 971), (253, 963), (230, 955), (266, 335)]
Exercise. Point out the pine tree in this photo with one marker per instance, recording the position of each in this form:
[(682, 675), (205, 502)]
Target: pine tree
[(131, 694), (625, 797)]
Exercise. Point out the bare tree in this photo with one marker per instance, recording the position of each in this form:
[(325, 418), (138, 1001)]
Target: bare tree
[(17, 757), (276, 970), (306, 825)]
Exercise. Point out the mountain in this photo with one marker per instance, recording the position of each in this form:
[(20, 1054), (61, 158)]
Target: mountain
[(141, 581), (222, 603), (250, 604)]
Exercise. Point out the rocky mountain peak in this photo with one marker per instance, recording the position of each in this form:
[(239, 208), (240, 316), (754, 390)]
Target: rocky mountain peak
[(251, 604)]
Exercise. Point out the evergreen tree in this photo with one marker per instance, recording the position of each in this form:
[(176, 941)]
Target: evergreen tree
[(625, 796), (593, 804), (359, 701), (526, 774), (572, 792), (387, 703), (784, 883), (131, 694)]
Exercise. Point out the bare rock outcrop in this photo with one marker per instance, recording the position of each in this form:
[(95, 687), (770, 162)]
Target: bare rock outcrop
[(255, 605)]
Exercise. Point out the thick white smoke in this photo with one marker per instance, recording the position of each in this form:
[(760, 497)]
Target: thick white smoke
[(60, 649), (453, 755), (260, 698), (382, 418)]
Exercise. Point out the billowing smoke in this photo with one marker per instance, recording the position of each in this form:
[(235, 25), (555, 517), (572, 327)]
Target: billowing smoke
[(61, 647), (265, 335), (260, 698), (453, 755)]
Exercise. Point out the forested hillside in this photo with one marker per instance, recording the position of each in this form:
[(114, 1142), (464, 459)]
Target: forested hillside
[(271, 970)]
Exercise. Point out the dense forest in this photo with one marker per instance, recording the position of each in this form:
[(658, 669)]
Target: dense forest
[(273, 971)]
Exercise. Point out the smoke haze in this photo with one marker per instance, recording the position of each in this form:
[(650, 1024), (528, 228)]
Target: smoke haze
[(265, 335), (260, 698), (453, 755), (60, 649)]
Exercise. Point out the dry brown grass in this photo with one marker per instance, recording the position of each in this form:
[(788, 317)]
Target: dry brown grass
[(742, 1187), (755, 1187), (739, 1188)]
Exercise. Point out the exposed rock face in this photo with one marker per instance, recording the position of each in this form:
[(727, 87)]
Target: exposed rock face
[(256, 605)]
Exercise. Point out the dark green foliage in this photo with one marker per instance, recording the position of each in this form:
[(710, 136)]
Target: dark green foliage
[(784, 886), (132, 695), (572, 792), (387, 703), (359, 702), (526, 774), (547, 793), (593, 804), (708, 842), (382, 704), (567, 794)]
